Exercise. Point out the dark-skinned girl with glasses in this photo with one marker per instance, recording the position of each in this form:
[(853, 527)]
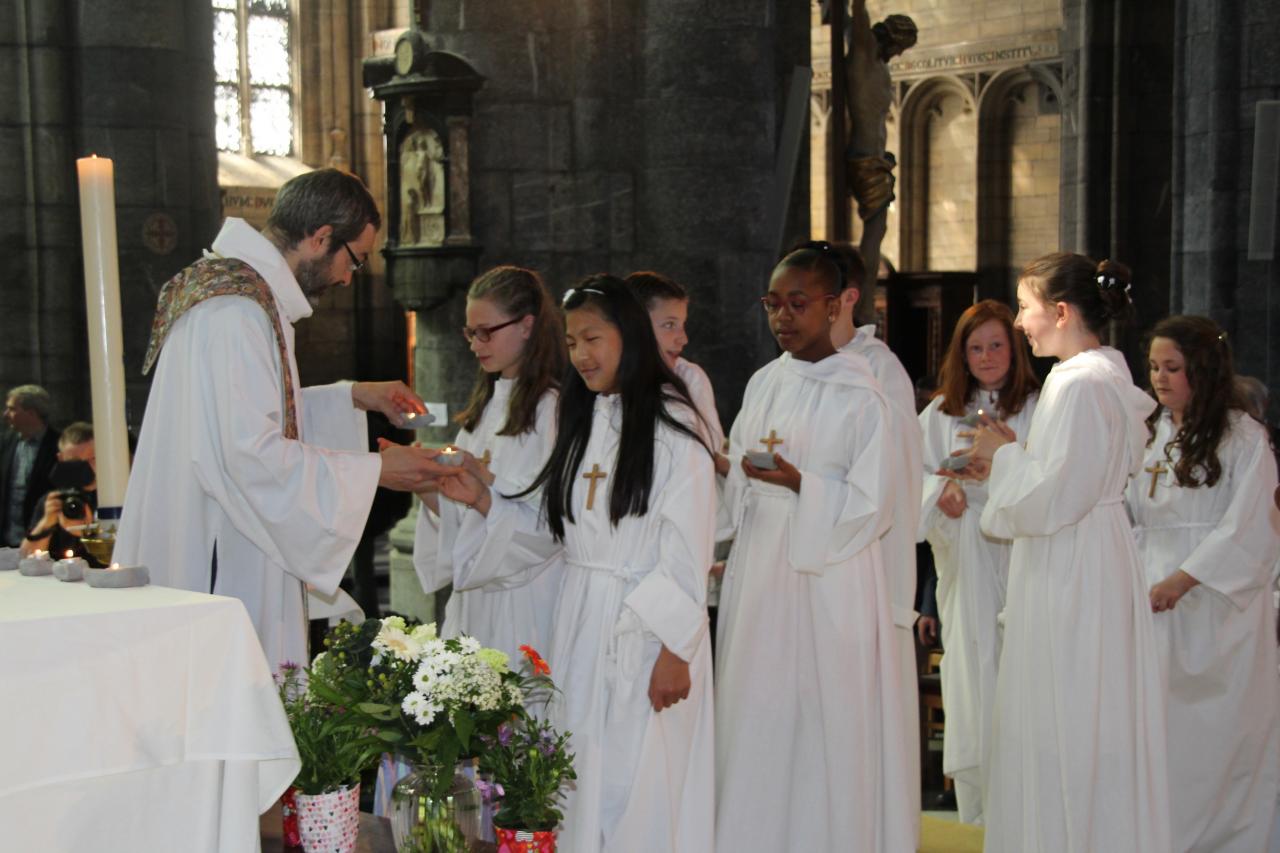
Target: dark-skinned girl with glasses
[(809, 737)]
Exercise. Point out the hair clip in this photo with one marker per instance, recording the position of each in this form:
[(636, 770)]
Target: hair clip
[(574, 291)]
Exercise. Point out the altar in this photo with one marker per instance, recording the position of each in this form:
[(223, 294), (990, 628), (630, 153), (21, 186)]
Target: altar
[(134, 720)]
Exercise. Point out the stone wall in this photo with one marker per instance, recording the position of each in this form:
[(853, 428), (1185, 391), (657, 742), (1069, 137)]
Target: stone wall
[(129, 81), (615, 135)]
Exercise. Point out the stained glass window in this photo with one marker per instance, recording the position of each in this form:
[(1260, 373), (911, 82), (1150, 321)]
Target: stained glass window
[(253, 100)]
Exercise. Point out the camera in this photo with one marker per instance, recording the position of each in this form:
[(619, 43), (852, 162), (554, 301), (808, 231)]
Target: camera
[(70, 479), (73, 503)]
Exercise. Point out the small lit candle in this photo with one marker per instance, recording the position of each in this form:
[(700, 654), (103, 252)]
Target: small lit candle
[(450, 456), (117, 576), (70, 568), (36, 565)]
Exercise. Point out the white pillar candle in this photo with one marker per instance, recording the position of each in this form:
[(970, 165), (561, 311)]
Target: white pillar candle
[(106, 346)]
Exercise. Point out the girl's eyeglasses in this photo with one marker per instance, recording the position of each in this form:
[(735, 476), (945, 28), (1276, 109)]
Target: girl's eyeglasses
[(483, 333), (773, 304)]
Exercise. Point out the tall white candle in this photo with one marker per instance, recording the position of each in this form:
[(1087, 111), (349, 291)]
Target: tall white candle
[(106, 347)]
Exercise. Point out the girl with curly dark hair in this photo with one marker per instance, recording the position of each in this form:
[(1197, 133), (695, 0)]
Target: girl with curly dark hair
[(1209, 536)]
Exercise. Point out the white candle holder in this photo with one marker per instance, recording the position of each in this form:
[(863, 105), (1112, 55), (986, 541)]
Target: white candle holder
[(450, 456), (70, 569), (37, 565), (117, 577), (9, 559)]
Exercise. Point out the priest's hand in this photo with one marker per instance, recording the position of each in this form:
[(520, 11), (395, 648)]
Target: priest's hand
[(408, 469), (670, 680), (952, 501), (786, 474), (393, 399), (461, 486), (1166, 594)]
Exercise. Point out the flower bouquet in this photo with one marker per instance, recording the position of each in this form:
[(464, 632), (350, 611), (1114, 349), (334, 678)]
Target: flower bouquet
[(334, 749), (432, 699)]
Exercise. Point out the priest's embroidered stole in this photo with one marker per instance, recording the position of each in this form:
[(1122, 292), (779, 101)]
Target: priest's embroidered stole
[(206, 279)]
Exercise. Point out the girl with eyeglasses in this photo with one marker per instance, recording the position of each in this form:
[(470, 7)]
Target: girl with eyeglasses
[(810, 739), (628, 500), (1209, 537), (507, 431)]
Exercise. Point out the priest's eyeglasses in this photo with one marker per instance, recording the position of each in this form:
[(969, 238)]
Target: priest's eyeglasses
[(773, 304), (483, 333), (356, 263)]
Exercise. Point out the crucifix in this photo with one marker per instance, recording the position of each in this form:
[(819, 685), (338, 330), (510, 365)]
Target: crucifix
[(771, 440), (594, 474), (1155, 471)]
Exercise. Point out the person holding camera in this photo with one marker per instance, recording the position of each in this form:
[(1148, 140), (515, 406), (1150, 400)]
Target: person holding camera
[(70, 505)]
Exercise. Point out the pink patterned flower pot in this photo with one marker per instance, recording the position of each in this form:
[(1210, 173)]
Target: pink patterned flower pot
[(329, 823), (524, 841)]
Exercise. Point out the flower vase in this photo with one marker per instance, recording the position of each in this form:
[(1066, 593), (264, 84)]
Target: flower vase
[(330, 822), (525, 841), (422, 822)]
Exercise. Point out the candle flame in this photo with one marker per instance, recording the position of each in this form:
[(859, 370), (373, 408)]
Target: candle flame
[(115, 565), (70, 554)]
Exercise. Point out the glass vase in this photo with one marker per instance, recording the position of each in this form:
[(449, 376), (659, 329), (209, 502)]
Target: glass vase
[(422, 822)]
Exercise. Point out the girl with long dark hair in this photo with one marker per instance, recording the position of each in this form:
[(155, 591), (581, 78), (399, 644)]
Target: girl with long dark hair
[(507, 431), (1209, 536), (627, 497), (986, 368)]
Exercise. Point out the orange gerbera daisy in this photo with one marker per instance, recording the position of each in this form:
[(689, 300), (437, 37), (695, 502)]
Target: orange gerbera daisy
[(540, 666)]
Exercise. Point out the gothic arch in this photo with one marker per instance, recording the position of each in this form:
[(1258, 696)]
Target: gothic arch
[(1018, 173), (920, 104)]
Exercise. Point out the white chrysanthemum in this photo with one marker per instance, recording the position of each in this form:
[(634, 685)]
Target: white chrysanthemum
[(424, 680), (422, 709), (469, 645)]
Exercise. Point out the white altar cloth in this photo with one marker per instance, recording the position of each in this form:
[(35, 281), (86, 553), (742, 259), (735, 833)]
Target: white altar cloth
[(134, 720)]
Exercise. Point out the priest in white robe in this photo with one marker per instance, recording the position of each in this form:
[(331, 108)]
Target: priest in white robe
[(811, 747), (1217, 643), (234, 467)]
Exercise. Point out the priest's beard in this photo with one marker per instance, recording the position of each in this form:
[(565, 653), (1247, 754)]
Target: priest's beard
[(313, 278)]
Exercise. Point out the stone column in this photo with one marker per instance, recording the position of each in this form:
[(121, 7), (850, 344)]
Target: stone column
[(129, 81)]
